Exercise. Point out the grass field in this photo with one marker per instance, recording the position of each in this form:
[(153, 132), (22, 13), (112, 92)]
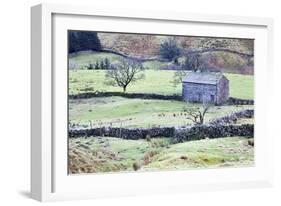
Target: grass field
[(156, 81), (107, 154), (123, 112), (87, 58), (92, 57)]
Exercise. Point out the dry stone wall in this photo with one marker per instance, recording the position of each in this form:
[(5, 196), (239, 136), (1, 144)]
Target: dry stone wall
[(179, 134), (87, 95)]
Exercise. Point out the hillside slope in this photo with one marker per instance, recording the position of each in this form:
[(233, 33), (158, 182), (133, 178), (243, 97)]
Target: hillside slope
[(146, 46)]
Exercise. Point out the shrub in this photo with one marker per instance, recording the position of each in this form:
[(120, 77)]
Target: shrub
[(169, 49), (102, 64), (147, 157), (192, 62), (251, 142), (183, 157), (97, 66), (90, 66), (197, 62), (107, 64), (136, 166)]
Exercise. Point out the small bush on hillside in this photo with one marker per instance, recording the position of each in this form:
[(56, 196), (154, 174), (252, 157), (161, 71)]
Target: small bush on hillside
[(148, 156), (183, 157), (136, 166), (169, 49), (251, 142), (90, 66), (103, 64), (97, 66), (107, 64), (193, 62)]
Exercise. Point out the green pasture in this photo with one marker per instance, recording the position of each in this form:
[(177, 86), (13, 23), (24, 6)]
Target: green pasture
[(91, 57), (87, 58), (108, 154), (124, 112), (222, 152), (155, 81)]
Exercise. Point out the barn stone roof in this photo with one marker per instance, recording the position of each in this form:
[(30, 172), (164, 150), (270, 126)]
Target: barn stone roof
[(203, 77)]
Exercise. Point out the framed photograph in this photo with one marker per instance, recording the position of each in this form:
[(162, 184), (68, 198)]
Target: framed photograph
[(137, 102)]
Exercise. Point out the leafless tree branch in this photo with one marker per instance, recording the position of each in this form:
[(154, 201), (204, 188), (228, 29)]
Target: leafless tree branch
[(197, 115), (124, 73)]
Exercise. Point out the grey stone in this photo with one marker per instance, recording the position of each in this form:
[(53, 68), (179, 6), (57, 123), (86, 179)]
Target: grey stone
[(210, 87)]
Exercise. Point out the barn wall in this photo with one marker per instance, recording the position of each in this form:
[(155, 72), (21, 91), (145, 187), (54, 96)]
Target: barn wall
[(223, 90), (198, 92)]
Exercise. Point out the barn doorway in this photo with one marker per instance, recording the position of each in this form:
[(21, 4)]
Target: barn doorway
[(200, 99), (212, 98)]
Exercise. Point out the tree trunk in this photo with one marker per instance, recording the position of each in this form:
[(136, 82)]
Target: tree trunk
[(124, 88), (201, 119)]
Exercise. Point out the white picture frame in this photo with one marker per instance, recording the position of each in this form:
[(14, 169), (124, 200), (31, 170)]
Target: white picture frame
[(49, 178)]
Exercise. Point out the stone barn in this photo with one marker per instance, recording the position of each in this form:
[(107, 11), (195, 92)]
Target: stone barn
[(210, 87)]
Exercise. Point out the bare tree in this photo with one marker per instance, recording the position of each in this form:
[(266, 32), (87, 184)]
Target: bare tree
[(124, 72), (195, 58), (193, 62), (197, 115), (178, 77)]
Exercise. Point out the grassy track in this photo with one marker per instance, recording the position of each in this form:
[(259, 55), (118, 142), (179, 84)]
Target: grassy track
[(107, 154)]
